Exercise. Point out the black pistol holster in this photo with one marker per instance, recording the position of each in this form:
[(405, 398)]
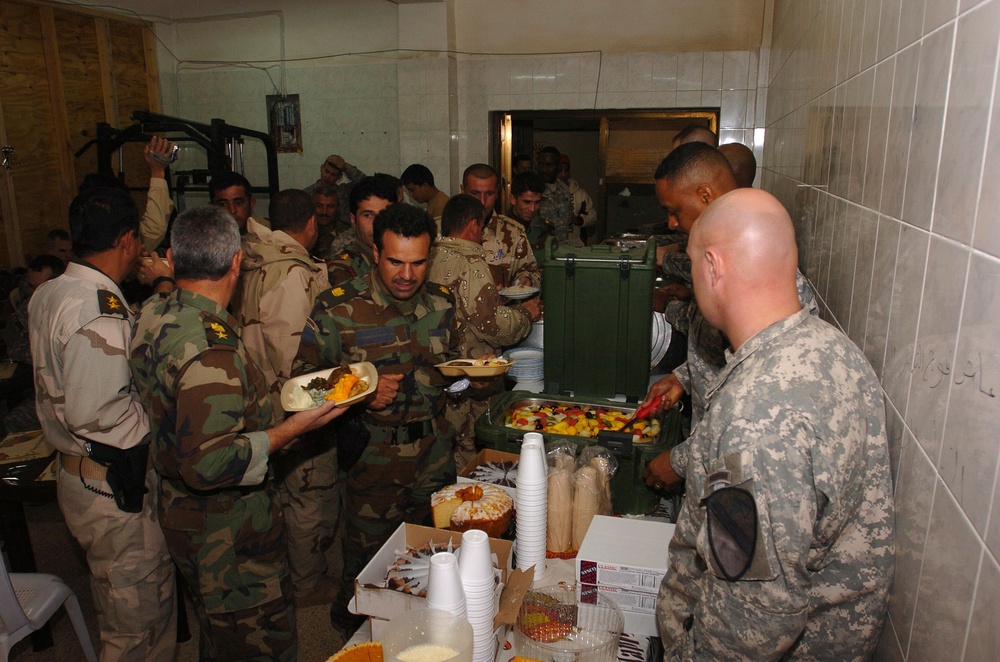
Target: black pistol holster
[(126, 473)]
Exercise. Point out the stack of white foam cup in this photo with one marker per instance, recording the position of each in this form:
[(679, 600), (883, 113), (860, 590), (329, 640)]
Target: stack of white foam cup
[(475, 566), (532, 488), (444, 585)]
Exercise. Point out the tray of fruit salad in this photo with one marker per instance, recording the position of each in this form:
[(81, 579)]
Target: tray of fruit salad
[(579, 420)]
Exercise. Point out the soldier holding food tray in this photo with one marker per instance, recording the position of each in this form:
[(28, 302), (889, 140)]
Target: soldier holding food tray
[(396, 319), (213, 431)]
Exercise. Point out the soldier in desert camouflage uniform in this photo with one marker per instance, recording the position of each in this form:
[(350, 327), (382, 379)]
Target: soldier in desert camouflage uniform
[(795, 429), (213, 431), (557, 201), (404, 325), (458, 261), (279, 284), (354, 254), (508, 251), (80, 328), (687, 181)]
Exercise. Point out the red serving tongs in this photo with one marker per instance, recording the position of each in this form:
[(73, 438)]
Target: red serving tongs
[(642, 412)]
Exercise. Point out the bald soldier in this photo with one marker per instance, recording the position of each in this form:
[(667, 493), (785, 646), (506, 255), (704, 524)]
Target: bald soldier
[(696, 133), (784, 547), (687, 181)]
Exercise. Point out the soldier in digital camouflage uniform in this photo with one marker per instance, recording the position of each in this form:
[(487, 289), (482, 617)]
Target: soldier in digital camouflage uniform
[(80, 328), (508, 251), (687, 181), (795, 429), (405, 325), (279, 284), (213, 429), (353, 256), (458, 261), (557, 201)]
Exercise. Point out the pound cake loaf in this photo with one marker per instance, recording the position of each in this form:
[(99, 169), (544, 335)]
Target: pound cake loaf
[(466, 506)]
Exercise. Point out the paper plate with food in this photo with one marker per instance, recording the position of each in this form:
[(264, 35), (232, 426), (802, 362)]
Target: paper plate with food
[(519, 292), (485, 367), (345, 385)]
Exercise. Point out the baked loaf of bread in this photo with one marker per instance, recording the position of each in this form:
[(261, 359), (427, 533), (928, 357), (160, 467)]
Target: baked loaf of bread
[(466, 506)]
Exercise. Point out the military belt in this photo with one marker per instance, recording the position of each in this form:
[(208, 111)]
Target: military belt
[(84, 467), (401, 434)]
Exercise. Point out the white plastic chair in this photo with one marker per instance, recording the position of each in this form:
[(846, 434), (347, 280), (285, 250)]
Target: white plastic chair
[(27, 602)]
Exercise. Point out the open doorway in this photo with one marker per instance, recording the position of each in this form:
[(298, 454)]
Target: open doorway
[(613, 154)]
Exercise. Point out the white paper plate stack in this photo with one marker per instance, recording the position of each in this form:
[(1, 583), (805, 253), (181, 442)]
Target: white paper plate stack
[(528, 364)]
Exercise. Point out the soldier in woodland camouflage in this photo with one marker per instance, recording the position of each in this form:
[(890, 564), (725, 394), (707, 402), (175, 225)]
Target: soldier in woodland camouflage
[(214, 429), (80, 328), (687, 181), (792, 453), (458, 261), (403, 324), (353, 256), (508, 251), (343, 176), (279, 284)]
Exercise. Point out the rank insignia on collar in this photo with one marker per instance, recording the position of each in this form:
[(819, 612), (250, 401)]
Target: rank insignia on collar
[(110, 303), (345, 256), (220, 331), (337, 291), (444, 290)]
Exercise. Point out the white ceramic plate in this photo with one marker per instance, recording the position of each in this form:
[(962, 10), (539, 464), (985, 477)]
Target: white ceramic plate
[(295, 398), (519, 292), (449, 369)]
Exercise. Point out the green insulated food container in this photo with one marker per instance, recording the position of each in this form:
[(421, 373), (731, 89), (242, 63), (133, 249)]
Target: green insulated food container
[(598, 319)]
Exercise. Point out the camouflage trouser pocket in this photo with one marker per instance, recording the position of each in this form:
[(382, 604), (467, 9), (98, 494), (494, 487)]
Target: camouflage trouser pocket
[(236, 559)]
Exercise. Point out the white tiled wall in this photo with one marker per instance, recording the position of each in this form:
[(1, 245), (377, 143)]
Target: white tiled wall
[(726, 80), (882, 138), (351, 110), (384, 116)]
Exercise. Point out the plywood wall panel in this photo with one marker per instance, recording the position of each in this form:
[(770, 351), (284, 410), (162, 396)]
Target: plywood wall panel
[(29, 123), (128, 54), (81, 74), (61, 72)]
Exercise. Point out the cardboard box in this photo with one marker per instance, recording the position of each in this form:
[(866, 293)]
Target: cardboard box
[(372, 598), (624, 553), (640, 602), (489, 455)]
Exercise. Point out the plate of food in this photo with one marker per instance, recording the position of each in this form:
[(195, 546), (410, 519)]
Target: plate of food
[(490, 367), (519, 292), (346, 385)]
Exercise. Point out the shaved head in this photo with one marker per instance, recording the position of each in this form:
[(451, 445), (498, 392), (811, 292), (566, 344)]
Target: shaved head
[(696, 133), (742, 161), (743, 262)]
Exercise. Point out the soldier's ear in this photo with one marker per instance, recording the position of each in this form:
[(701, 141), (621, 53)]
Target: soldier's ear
[(234, 266)]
